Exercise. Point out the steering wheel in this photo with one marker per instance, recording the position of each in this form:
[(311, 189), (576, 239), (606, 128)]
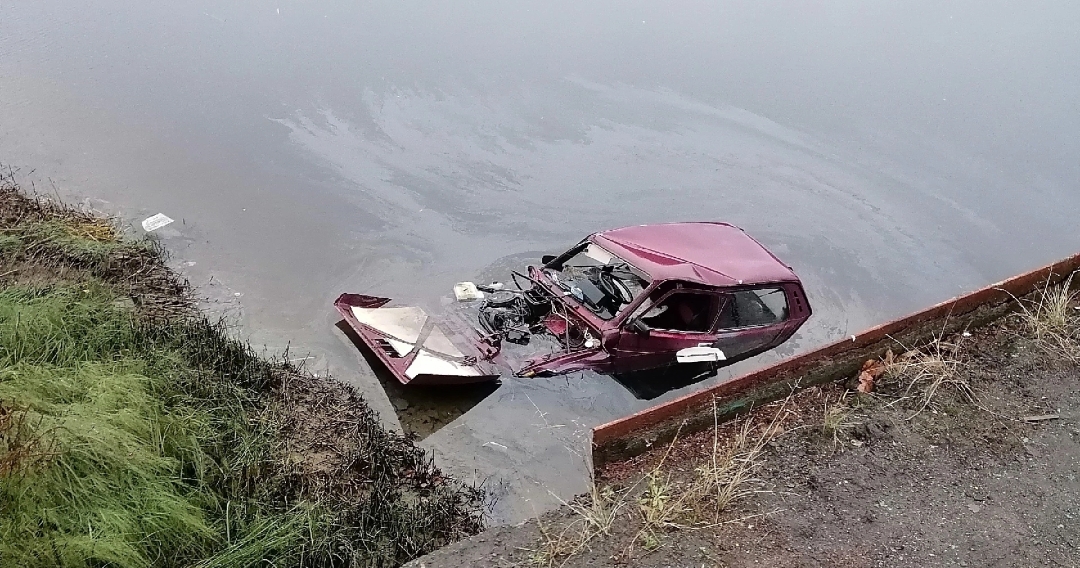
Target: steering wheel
[(608, 284)]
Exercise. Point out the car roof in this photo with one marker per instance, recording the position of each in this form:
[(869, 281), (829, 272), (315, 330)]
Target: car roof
[(716, 254)]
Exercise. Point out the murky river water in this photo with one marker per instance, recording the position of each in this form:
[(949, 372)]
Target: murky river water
[(895, 153)]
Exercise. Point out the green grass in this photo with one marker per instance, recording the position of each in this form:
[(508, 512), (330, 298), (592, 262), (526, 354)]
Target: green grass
[(62, 327), (126, 454), (82, 242), (135, 468), (9, 243), (115, 493), (128, 444), (135, 433)]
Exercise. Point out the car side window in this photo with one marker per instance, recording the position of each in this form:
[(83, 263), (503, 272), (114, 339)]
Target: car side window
[(690, 312), (751, 308)]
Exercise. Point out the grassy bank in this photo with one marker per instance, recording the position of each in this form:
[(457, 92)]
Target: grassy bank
[(134, 432)]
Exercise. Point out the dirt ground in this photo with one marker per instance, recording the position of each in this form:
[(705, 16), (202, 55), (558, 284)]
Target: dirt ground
[(985, 480)]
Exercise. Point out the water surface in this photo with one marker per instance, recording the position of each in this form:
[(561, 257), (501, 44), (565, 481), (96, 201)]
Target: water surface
[(895, 154)]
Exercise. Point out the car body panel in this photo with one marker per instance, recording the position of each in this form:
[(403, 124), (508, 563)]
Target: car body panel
[(412, 345)]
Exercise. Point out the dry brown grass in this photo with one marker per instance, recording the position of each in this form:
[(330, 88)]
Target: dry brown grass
[(666, 500), (594, 517), (23, 444), (557, 546), (1052, 320), (838, 420), (727, 476), (929, 369), (97, 230)]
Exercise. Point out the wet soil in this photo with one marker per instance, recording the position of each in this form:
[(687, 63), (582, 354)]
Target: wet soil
[(989, 481)]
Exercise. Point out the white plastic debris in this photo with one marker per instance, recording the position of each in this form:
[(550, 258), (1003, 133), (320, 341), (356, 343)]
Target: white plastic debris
[(155, 222), (467, 292)]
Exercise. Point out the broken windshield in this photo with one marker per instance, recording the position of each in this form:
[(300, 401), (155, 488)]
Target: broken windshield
[(599, 280)]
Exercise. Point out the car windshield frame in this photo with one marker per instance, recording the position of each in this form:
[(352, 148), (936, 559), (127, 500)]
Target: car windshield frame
[(571, 272)]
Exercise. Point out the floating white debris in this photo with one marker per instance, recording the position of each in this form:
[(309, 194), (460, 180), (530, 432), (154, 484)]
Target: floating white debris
[(467, 291), (155, 222)]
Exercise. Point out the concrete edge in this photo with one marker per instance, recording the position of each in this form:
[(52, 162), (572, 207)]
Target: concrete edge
[(634, 434)]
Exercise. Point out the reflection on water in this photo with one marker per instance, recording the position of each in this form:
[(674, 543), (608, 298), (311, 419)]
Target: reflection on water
[(650, 384)]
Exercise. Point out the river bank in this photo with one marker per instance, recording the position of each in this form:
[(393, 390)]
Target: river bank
[(135, 432), (963, 453)]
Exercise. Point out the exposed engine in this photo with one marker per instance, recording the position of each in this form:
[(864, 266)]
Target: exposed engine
[(514, 315), (517, 315)]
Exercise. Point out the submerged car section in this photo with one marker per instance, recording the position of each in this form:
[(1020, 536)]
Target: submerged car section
[(413, 346), (619, 301)]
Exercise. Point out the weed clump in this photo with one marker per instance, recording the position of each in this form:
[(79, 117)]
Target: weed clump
[(666, 499), (726, 476), (1051, 319), (838, 421), (924, 372)]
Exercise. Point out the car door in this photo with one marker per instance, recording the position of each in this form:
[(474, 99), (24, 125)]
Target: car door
[(677, 319), (751, 321)]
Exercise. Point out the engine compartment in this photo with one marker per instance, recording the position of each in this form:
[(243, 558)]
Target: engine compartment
[(516, 316)]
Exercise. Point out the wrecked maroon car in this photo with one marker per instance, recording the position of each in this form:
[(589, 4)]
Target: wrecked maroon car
[(624, 300)]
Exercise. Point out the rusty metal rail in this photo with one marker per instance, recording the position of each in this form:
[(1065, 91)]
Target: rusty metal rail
[(632, 435)]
